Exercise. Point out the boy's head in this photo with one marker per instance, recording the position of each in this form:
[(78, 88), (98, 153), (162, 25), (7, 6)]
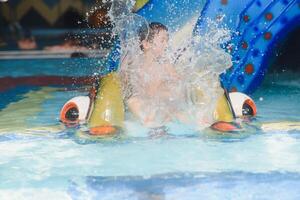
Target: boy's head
[(154, 38)]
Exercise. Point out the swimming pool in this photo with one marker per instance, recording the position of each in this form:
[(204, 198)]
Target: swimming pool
[(39, 158)]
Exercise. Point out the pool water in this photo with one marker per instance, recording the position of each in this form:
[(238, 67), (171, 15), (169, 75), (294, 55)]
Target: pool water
[(41, 159)]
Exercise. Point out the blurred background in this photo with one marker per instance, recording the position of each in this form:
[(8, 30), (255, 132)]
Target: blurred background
[(53, 25), (38, 38)]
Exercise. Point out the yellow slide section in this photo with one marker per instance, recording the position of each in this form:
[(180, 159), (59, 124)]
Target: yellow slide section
[(139, 4), (20, 116), (108, 112), (223, 112)]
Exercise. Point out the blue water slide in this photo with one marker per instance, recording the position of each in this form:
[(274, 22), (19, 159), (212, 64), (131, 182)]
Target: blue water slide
[(256, 26)]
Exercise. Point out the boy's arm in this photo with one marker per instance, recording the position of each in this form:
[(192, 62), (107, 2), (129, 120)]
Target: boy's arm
[(136, 106)]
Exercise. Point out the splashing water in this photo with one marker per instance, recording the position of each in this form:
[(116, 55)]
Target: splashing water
[(198, 61)]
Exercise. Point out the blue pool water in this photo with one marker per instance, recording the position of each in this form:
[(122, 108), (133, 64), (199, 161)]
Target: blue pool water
[(41, 159)]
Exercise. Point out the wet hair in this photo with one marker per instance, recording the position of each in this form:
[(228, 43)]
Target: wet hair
[(148, 32)]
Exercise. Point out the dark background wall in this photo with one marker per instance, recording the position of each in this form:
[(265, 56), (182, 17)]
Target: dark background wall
[(45, 13)]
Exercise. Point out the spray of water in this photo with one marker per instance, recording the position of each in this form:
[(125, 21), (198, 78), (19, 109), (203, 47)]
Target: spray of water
[(198, 61)]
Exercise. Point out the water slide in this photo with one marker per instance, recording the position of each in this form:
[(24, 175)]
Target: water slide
[(256, 25)]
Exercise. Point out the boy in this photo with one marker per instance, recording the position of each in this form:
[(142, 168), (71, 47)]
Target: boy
[(150, 81), (154, 92)]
